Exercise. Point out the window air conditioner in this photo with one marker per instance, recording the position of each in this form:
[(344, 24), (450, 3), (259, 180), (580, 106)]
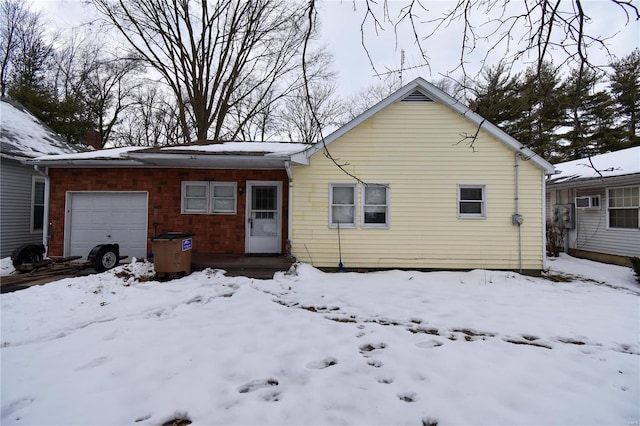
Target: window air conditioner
[(588, 202)]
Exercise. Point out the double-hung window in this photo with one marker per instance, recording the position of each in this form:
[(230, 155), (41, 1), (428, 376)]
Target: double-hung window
[(624, 207), (375, 206), (208, 198), (342, 201), (472, 200), (37, 204)]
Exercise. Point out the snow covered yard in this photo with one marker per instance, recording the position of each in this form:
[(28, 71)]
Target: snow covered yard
[(481, 347)]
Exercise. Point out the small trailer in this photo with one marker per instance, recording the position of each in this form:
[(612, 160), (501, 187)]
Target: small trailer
[(30, 258)]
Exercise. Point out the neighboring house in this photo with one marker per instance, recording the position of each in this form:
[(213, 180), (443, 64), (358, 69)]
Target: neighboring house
[(23, 195), (416, 195), (431, 184), (601, 195)]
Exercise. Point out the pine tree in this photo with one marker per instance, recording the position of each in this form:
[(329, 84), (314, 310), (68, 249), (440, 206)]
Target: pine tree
[(625, 86), (589, 116), (542, 115), (497, 97)]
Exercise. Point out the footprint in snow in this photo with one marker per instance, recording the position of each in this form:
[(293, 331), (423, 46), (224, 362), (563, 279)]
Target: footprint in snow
[(370, 347), (319, 365), (407, 397), (375, 363), (429, 344), (254, 385)]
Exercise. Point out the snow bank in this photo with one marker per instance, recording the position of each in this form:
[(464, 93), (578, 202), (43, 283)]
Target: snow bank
[(306, 347)]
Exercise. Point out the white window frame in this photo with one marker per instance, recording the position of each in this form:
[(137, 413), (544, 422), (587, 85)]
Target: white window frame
[(483, 202), (364, 206), (183, 197), (234, 188), (209, 197), (34, 180), (354, 187), (609, 208)]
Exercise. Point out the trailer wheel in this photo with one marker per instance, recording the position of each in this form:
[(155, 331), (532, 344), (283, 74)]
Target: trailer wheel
[(29, 253), (106, 258)]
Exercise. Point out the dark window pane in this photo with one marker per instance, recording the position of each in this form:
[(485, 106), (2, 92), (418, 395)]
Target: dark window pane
[(623, 218), (38, 217), (375, 215), (264, 198), (468, 194), (470, 208)]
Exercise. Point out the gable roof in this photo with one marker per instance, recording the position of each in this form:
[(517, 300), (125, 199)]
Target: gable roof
[(23, 136), (420, 90), (611, 164)]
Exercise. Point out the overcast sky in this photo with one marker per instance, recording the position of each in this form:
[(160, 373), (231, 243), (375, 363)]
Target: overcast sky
[(340, 31)]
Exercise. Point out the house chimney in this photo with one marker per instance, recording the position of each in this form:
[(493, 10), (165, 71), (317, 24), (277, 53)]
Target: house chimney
[(94, 139)]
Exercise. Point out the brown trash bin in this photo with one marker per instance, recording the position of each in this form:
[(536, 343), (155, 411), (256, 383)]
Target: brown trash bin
[(172, 252)]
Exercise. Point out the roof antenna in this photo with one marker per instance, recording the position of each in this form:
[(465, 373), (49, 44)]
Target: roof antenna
[(340, 267), (401, 65)]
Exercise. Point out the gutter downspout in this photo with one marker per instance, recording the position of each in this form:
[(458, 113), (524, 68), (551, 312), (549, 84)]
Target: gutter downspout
[(46, 229), (287, 167), (518, 220)]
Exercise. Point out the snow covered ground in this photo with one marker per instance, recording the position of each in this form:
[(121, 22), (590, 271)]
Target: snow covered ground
[(480, 347)]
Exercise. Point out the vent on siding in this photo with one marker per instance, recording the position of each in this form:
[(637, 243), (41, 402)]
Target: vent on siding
[(416, 96)]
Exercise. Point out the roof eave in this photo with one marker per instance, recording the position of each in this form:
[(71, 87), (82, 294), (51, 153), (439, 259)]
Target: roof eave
[(86, 162), (205, 160)]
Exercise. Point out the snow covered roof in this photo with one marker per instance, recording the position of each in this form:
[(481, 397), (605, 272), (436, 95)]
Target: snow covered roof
[(617, 163), (198, 154), (23, 136)]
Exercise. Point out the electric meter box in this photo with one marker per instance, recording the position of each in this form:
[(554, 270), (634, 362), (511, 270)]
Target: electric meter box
[(563, 215)]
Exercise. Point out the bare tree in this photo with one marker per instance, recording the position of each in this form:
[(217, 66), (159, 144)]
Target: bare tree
[(533, 31), (92, 85), (24, 49), (14, 16), (220, 59), (152, 119), (295, 120)]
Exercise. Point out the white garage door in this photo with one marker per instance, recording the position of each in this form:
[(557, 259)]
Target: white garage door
[(106, 217)]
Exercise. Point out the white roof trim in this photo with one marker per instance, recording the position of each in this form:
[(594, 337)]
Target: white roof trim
[(436, 95)]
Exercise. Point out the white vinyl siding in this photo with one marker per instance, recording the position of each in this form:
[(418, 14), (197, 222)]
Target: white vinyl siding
[(16, 182), (208, 197), (375, 206), (592, 232), (342, 202)]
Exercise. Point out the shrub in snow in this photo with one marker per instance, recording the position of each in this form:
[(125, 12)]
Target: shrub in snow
[(635, 262)]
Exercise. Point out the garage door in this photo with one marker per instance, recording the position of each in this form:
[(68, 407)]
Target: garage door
[(106, 217)]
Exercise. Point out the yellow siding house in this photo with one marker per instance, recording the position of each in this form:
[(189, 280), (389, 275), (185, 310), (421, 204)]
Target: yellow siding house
[(419, 181)]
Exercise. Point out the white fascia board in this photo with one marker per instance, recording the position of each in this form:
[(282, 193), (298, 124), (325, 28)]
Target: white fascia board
[(199, 160), (86, 163)]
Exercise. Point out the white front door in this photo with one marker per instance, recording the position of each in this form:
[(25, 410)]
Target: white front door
[(98, 217), (264, 217)]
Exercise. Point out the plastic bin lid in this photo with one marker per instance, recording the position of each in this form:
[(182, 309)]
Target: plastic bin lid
[(172, 236)]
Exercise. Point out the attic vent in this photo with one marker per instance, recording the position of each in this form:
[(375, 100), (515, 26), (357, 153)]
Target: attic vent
[(416, 96)]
